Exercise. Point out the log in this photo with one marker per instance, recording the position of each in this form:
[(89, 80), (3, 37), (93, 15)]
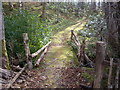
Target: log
[(110, 73), (100, 57), (117, 75), (27, 50), (16, 76), (41, 57), (40, 50)]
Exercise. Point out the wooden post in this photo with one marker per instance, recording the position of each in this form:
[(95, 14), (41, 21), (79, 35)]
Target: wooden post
[(27, 51), (110, 73), (71, 34), (100, 56)]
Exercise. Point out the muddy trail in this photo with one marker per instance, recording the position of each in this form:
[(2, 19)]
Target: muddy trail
[(59, 68)]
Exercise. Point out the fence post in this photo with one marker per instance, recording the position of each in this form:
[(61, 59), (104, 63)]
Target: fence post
[(71, 34), (27, 50), (100, 56)]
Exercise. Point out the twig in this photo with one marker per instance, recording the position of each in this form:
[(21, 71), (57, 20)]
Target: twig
[(89, 61)]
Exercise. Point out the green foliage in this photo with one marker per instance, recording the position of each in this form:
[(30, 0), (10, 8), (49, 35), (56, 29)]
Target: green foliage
[(94, 30), (39, 30), (25, 22), (87, 77), (96, 25)]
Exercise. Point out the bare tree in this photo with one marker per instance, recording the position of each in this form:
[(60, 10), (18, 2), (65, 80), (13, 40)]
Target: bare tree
[(112, 17), (20, 5)]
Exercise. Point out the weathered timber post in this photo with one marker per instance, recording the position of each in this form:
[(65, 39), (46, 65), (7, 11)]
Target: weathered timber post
[(27, 50), (71, 34), (100, 56), (110, 73)]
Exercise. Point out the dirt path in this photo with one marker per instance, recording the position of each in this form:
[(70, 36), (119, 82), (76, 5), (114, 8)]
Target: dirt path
[(59, 56), (59, 68)]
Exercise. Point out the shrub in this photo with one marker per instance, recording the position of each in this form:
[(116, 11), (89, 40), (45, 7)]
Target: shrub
[(25, 22)]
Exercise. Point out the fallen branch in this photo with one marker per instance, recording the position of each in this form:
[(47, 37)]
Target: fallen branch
[(15, 68), (40, 50), (16, 76), (41, 57), (89, 61), (81, 56), (76, 40), (105, 62), (76, 43)]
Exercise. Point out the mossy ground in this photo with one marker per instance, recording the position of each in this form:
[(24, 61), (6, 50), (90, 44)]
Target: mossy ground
[(60, 55)]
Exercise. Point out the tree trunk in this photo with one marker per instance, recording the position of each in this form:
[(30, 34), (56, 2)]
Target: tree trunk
[(10, 5), (110, 73), (20, 5), (93, 6), (100, 56), (118, 29), (112, 17), (43, 10), (4, 56), (117, 75)]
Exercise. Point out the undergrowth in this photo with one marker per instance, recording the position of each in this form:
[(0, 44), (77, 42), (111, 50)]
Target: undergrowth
[(39, 31)]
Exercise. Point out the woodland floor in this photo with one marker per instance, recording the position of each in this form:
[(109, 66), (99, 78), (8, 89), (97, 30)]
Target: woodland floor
[(59, 67)]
